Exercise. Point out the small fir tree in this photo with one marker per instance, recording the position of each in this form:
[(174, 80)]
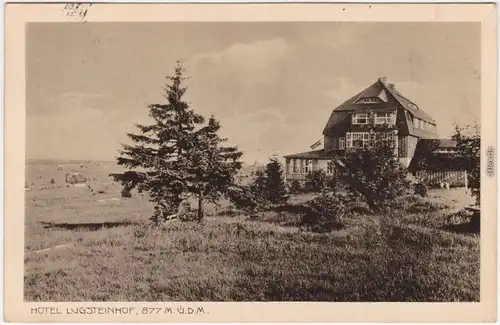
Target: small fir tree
[(269, 184), (276, 188), (259, 185)]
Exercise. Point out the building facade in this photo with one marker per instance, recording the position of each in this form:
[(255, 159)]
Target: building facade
[(347, 129)]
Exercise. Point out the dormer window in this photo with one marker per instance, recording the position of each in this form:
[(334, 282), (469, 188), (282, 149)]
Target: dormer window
[(385, 118), (369, 100), (360, 118)]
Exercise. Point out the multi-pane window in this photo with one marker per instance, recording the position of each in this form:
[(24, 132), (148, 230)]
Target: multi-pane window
[(329, 168), (295, 169), (385, 118), (388, 137), (341, 143), (307, 167), (360, 118), (357, 139)]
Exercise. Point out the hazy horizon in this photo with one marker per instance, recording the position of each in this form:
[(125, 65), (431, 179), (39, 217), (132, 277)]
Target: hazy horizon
[(272, 85)]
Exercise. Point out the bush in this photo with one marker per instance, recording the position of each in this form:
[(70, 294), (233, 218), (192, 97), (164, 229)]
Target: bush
[(316, 181), (420, 189), (373, 171), (333, 183), (295, 186), (324, 213), (469, 147), (243, 198)]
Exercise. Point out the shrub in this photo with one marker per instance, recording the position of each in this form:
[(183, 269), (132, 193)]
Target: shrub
[(373, 171), (324, 213), (333, 183), (243, 198), (469, 147), (420, 189), (316, 181), (295, 186)]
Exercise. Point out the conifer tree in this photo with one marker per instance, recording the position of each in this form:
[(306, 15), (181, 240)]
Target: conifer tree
[(276, 188), (269, 184), (177, 156), (212, 167)]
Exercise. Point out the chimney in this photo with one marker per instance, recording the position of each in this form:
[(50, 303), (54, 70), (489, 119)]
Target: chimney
[(382, 79)]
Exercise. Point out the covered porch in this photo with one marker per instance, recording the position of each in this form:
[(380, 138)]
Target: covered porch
[(298, 166)]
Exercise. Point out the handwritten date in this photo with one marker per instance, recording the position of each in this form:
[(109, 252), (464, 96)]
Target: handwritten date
[(77, 10)]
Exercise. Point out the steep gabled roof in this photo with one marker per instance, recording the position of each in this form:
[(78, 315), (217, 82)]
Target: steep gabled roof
[(391, 98), (406, 103)]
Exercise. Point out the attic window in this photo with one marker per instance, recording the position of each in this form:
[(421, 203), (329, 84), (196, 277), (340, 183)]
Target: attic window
[(369, 100)]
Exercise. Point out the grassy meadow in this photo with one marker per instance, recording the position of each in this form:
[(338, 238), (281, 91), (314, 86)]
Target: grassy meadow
[(83, 245)]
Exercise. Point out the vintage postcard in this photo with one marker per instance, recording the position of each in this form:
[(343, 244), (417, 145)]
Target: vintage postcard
[(250, 162)]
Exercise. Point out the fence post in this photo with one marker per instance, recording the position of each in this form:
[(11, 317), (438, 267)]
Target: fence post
[(465, 181)]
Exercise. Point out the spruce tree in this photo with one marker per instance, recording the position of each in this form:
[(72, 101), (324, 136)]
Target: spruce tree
[(269, 184), (275, 184), (177, 156), (212, 167)]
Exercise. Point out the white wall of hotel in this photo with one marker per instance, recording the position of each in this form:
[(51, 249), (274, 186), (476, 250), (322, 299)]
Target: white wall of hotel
[(304, 166)]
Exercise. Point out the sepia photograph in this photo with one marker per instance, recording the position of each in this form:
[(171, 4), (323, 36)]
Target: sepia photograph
[(252, 161)]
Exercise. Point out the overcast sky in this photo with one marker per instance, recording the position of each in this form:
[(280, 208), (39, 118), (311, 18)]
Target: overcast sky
[(272, 85)]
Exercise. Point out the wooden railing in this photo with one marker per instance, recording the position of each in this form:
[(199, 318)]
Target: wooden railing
[(455, 178)]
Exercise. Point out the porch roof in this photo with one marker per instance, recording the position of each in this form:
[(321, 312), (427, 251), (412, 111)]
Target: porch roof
[(315, 154)]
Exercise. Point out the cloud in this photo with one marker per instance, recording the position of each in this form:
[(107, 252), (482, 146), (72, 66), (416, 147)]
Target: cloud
[(261, 133), (241, 77), (271, 116), (245, 57)]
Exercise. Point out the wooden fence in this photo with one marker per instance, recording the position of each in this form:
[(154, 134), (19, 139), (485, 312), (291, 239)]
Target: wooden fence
[(456, 178)]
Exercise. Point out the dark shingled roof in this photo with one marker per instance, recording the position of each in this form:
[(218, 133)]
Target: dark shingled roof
[(408, 104), (395, 101)]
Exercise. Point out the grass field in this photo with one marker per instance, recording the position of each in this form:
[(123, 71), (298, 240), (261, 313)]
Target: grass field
[(94, 246)]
